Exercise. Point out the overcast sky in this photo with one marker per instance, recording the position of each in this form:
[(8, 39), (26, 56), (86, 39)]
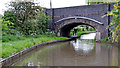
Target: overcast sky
[(46, 3)]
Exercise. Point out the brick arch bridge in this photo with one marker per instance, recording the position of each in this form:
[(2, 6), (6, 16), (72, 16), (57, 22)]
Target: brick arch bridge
[(64, 19), (66, 24)]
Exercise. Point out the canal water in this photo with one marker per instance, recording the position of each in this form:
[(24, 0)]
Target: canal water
[(73, 53)]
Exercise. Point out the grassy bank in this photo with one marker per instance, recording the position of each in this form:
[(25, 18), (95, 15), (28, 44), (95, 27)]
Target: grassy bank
[(10, 47), (14, 44), (81, 32)]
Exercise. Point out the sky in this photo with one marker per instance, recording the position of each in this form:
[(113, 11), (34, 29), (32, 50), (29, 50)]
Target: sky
[(46, 3)]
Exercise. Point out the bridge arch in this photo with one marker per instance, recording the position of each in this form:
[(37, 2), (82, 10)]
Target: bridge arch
[(66, 24)]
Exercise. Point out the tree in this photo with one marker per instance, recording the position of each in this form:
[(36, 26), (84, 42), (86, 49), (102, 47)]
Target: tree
[(42, 21), (24, 11), (20, 13), (0, 29), (28, 17), (9, 16)]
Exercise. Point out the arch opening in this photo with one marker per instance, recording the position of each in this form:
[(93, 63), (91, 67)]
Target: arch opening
[(67, 30), (80, 29), (66, 24)]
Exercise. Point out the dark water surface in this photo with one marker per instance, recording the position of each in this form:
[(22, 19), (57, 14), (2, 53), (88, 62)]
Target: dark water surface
[(73, 53)]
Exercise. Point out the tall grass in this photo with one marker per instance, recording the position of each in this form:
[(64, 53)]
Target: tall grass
[(8, 48)]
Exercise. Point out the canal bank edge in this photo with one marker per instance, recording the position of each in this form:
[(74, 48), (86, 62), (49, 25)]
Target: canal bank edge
[(108, 42), (28, 49)]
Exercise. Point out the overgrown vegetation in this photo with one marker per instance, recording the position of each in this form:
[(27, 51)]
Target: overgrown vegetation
[(24, 24), (106, 39), (11, 47), (90, 2), (114, 26), (0, 36), (24, 18)]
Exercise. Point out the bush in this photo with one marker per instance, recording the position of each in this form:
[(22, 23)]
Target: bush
[(5, 39), (106, 39), (12, 38)]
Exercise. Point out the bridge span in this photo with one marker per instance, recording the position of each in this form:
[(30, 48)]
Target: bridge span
[(65, 19)]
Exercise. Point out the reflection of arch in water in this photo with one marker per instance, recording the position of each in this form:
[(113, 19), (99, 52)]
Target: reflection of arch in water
[(83, 47)]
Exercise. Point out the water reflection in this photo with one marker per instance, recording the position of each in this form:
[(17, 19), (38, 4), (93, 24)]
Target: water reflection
[(30, 64), (74, 53), (83, 47)]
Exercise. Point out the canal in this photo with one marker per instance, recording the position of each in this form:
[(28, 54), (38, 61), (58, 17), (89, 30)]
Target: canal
[(72, 53)]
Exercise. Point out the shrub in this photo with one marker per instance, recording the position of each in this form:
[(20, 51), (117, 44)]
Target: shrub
[(12, 38)]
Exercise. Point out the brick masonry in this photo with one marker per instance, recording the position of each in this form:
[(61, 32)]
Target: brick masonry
[(90, 11)]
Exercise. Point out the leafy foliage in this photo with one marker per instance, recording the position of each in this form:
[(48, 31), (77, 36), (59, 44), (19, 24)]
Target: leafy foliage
[(106, 39), (9, 16), (90, 3), (24, 10), (115, 24), (7, 28), (24, 18), (42, 21), (22, 24), (0, 29)]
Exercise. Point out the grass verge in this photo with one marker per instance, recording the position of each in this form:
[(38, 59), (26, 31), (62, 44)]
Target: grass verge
[(8, 48), (81, 32)]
